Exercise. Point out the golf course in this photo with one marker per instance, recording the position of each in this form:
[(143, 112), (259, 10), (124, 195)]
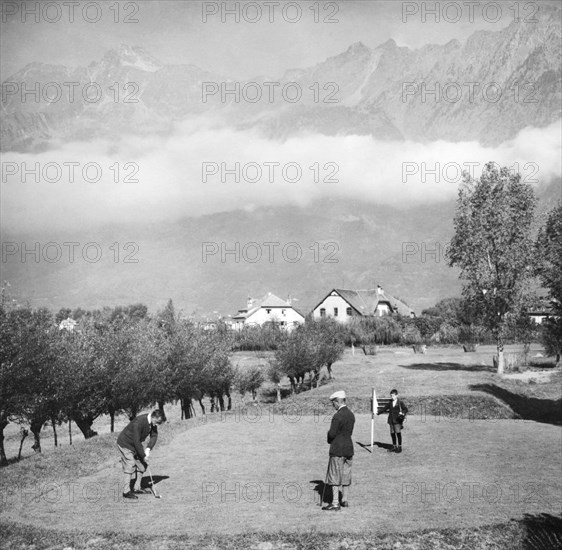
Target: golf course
[(479, 469)]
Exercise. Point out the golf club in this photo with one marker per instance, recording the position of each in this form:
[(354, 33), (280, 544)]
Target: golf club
[(156, 495)]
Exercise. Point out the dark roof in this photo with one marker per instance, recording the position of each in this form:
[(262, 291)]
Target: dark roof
[(365, 302)]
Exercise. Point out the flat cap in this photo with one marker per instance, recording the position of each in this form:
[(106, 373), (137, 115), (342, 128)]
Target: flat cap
[(337, 395)]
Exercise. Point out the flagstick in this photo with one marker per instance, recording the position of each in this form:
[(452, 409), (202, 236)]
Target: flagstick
[(372, 418)]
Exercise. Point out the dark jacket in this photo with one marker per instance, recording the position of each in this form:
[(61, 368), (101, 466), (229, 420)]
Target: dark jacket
[(135, 433), (339, 436), (393, 412)]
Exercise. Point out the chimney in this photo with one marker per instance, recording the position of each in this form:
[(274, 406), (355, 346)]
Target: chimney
[(289, 299), (249, 303), (379, 290)]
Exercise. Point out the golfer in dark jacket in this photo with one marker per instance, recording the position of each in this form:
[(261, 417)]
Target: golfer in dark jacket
[(397, 412), (134, 456), (341, 451)]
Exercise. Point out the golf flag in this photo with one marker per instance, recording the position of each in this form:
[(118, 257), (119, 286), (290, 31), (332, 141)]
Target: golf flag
[(374, 408), (374, 403)]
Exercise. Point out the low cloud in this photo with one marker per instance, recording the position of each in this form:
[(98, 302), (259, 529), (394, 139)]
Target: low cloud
[(173, 181)]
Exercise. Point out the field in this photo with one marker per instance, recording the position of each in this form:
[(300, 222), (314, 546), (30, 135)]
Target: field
[(252, 478)]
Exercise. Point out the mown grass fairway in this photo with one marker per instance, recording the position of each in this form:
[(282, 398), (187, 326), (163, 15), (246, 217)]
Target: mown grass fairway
[(259, 471)]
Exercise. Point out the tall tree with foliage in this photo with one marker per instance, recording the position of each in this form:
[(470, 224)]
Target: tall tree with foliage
[(493, 246), (549, 248)]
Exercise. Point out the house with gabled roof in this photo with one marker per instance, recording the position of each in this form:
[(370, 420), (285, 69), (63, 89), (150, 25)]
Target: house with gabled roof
[(268, 309), (344, 304)]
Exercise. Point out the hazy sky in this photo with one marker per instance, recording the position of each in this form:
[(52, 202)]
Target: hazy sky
[(174, 31), (170, 179)]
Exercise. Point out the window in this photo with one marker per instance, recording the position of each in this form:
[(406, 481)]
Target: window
[(268, 311), (348, 311), (335, 312), (283, 312), (322, 312)]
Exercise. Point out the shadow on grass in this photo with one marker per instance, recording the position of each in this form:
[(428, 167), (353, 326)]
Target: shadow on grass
[(378, 444), (323, 491), (145, 481), (548, 411), (449, 366), (542, 531)]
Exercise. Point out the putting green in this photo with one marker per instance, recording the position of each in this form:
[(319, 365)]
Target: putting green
[(257, 474)]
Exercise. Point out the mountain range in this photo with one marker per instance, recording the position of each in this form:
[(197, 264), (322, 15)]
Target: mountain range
[(375, 92), (370, 239)]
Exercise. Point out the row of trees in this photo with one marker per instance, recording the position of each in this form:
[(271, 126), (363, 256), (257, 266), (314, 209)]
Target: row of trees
[(122, 360)]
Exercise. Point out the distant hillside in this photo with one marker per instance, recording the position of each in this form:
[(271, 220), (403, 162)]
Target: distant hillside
[(373, 249)]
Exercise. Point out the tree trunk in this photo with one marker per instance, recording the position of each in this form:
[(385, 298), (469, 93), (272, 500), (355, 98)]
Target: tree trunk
[(53, 422), (229, 402), (501, 359), (24, 434), (293, 386), (186, 408), (84, 423), (3, 458), (201, 405), (70, 430), (329, 367), (161, 408), (36, 425), (278, 388), (221, 402), (112, 420)]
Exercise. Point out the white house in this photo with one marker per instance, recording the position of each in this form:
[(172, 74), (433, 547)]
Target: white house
[(342, 304), (68, 324), (269, 309)]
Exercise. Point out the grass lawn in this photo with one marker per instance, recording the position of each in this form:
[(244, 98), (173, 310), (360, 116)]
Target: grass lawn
[(232, 477), (254, 479)]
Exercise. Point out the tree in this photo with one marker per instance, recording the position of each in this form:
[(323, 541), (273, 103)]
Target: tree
[(249, 380), (549, 248), (449, 309), (327, 336), (493, 247), (30, 356)]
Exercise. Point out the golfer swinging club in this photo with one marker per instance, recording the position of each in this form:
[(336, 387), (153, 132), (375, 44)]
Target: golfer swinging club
[(134, 457), (341, 452)]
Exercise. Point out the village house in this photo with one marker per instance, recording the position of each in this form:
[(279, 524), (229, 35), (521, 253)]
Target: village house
[(270, 308), (342, 304)]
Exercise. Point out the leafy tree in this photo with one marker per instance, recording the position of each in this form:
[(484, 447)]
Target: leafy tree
[(549, 247), (492, 246), (297, 355), (275, 374), (31, 356), (249, 380), (449, 309), (327, 337)]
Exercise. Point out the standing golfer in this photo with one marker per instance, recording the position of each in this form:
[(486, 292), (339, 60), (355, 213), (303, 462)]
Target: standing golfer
[(397, 412), (341, 452), (134, 456)]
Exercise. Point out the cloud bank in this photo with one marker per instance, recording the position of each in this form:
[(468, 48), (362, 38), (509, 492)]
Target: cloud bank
[(193, 172)]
